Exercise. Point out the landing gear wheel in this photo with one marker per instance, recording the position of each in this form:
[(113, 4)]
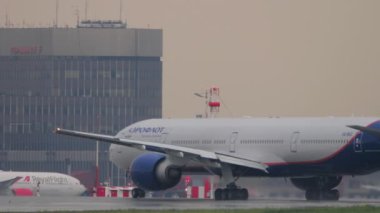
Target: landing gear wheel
[(319, 195), (224, 194), (231, 194), (312, 195), (142, 193), (218, 194), (332, 195), (243, 194), (135, 193), (138, 193)]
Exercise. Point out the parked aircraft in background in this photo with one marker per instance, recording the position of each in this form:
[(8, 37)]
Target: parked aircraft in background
[(313, 152), (39, 184)]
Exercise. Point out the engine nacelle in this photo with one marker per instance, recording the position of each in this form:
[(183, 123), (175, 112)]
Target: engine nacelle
[(323, 183), (152, 171)]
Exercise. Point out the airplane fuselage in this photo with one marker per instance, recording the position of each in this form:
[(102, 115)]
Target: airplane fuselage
[(42, 184), (290, 147)]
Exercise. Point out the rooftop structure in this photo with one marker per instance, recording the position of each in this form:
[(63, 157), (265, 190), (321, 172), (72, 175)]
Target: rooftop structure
[(91, 79)]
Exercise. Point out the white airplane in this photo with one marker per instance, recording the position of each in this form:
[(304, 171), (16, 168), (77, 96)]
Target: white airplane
[(313, 152), (39, 184)]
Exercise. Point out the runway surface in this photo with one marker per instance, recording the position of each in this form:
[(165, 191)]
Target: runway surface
[(37, 204)]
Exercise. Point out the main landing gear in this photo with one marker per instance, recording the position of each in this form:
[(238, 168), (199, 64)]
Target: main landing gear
[(318, 195), (231, 192), (319, 188)]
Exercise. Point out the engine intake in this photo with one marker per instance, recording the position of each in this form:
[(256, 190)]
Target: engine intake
[(152, 171)]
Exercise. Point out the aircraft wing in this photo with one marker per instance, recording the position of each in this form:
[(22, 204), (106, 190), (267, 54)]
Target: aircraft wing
[(172, 150), (5, 185)]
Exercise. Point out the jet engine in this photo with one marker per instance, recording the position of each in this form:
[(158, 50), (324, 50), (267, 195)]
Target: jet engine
[(152, 171)]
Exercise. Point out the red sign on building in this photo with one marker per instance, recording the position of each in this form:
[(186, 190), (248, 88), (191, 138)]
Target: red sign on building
[(26, 50)]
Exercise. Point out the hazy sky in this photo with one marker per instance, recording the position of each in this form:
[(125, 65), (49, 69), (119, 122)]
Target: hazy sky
[(270, 58)]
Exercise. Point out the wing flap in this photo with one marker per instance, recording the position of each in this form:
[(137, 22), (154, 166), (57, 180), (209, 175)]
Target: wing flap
[(242, 162)]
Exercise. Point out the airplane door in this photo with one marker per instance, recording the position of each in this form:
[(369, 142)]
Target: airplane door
[(233, 140), (294, 141), (164, 137), (358, 146)]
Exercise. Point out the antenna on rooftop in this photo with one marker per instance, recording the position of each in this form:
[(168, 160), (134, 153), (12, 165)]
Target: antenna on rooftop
[(77, 14), (121, 9), (7, 21), (85, 9), (56, 12)]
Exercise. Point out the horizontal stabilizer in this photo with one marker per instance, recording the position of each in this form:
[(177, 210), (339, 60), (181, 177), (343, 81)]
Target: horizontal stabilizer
[(369, 130)]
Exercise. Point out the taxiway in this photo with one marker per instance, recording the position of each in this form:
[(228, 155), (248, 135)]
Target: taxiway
[(38, 204)]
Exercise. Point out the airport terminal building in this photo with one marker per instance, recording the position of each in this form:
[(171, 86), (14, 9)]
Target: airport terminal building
[(87, 78)]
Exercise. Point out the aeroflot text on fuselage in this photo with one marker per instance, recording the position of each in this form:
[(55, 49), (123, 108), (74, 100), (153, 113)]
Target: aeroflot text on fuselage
[(146, 130)]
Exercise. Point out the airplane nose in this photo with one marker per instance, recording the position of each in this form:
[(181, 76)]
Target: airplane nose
[(81, 189)]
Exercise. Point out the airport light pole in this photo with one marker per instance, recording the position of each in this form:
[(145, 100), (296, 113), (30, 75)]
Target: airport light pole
[(97, 165)]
